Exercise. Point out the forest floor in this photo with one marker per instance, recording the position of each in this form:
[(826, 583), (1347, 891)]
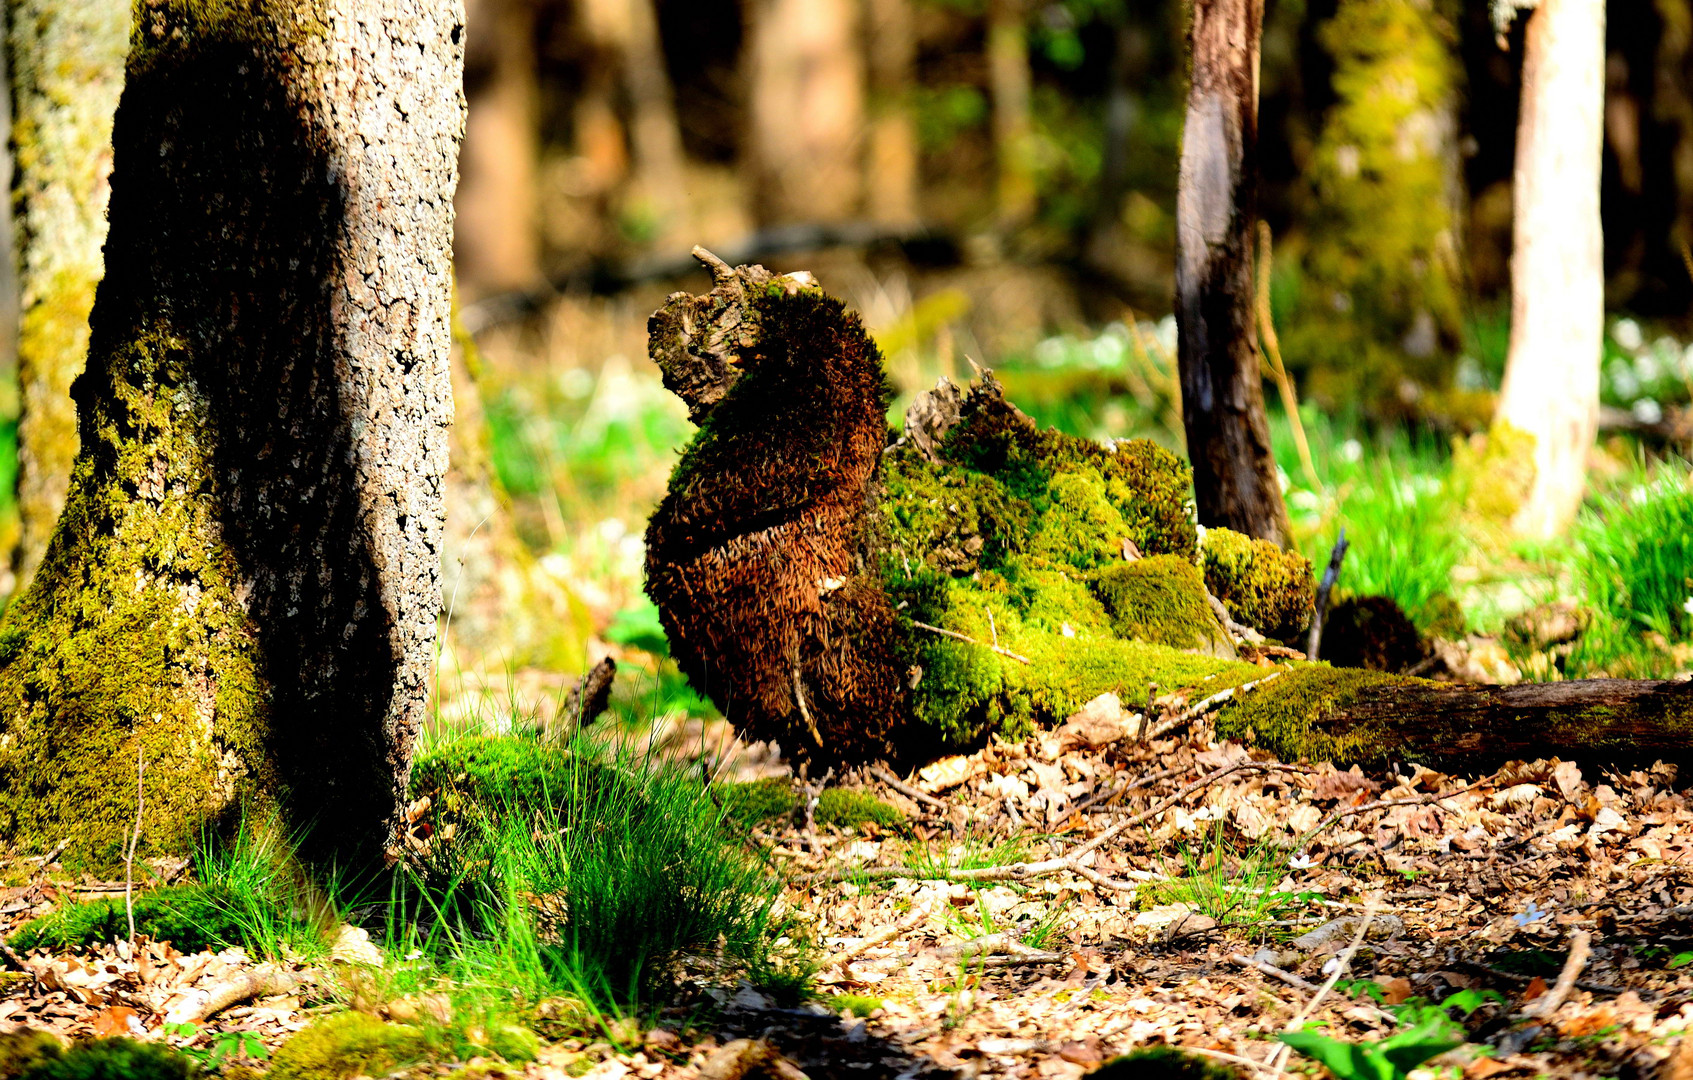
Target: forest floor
[(1116, 894)]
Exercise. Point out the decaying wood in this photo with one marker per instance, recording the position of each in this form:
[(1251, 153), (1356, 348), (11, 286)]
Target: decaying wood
[(1633, 718)]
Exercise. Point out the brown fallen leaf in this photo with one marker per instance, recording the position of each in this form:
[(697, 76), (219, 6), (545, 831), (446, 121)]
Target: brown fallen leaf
[(1536, 988), (115, 1021)]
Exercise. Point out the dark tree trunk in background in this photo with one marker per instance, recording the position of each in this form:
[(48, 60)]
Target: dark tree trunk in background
[(1009, 83), (497, 235), (1228, 439), (66, 62), (244, 587)]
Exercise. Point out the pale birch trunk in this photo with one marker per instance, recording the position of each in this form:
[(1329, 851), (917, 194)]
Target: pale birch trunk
[(1551, 386)]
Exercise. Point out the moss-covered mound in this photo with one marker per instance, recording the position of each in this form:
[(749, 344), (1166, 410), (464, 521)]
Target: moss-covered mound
[(1163, 1063), (1283, 715), (347, 1045), (855, 599), (758, 801), (1261, 585)]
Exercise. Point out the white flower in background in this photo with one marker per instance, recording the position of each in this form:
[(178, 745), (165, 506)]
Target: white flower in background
[(1646, 364), (1282, 481), (1624, 383), (1308, 502), (1301, 861), (1685, 367), (1200, 529), (1351, 451), (1647, 411), (1626, 333), (1688, 606)]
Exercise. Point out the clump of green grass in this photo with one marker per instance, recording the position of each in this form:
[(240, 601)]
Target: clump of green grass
[(249, 892), (1232, 882), (1632, 562), (584, 872)]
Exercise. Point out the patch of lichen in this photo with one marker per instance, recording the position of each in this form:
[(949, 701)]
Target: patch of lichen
[(346, 1045), (1262, 586), (1283, 715), (1160, 599), (1377, 314), (132, 644), (167, 31)]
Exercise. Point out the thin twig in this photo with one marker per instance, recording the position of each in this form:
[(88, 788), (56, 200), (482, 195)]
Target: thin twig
[(813, 795), (1215, 701), (887, 777), (1388, 804), (1314, 640), (967, 638), (1580, 946), (1274, 972), (888, 933), (1070, 862), (1124, 788), (129, 857), (1280, 1058)]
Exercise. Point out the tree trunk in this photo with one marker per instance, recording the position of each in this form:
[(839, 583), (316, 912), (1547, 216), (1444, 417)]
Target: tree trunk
[(67, 69), (243, 590), (1009, 84), (805, 108), (1551, 386), (497, 236), (1346, 716), (1228, 439), (890, 180), (660, 181)]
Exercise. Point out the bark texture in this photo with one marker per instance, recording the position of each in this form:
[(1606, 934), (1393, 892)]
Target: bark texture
[(244, 585), (1228, 439), (805, 107), (497, 235), (66, 63), (1551, 388)]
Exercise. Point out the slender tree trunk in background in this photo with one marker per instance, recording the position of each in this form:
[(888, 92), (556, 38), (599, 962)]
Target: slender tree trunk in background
[(497, 237), (1228, 439), (1551, 386), (660, 180), (244, 586), (805, 107), (66, 64), (891, 180), (1009, 84)]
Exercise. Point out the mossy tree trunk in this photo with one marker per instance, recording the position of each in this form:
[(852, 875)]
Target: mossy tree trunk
[(1228, 438), (805, 109), (1346, 715), (244, 586), (1551, 388), (66, 63)]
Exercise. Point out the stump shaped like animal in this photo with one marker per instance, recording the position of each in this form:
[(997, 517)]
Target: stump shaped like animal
[(858, 593)]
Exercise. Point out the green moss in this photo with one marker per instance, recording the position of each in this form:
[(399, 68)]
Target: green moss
[(1282, 715), (24, 1049), (1161, 599), (109, 656), (1262, 586), (346, 1045), (1163, 1063), (759, 801), (190, 917), (856, 1004), (113, 1059)]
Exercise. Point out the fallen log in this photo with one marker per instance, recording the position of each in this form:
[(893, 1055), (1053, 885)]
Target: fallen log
[(1346, 715)]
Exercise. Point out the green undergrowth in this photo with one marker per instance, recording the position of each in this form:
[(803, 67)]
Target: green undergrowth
[(1163, 1063), (249, 892), (757, 802), (1230, 878), (584, 872)]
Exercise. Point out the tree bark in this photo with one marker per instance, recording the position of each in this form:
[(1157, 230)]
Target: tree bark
[(1234, 473), (244, 586), (497, 235), (1009, 82), (805, 108), (890, 182), (1551, 388), (66, 65), (1379, 718)]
